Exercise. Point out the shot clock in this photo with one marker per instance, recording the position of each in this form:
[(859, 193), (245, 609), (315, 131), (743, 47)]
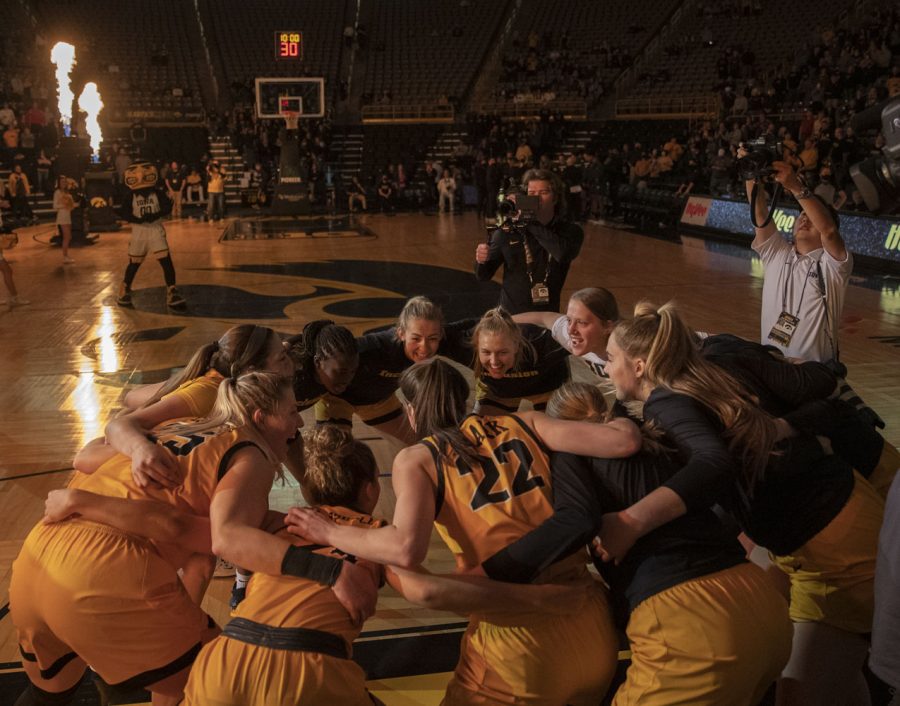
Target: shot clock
[(288, 45)]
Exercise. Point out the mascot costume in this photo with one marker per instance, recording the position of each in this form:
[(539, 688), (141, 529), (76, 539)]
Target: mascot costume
[(144, 205)]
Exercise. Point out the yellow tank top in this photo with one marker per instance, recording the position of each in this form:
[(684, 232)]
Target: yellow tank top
[(481, 509), (290, 602)]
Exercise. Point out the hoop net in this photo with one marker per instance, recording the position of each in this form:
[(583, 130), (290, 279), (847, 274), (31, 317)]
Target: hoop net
[(291, 118)]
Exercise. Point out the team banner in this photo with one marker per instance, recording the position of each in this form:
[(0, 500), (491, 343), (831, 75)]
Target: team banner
[(868, 236)]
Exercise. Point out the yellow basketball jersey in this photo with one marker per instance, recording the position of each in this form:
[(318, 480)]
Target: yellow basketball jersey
[(200, 393), (203, 458), (481, 509), (290, 602)]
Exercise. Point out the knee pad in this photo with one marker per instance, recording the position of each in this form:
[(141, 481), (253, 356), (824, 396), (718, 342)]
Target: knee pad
[(35, 696)]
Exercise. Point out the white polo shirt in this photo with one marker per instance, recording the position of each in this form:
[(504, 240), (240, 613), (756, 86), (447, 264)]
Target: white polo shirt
[(791, 283)]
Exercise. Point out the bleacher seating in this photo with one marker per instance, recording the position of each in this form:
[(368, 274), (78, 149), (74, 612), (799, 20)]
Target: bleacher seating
[(242, 38), (141, 55), (420, 51), (771, 35), (599, 40)]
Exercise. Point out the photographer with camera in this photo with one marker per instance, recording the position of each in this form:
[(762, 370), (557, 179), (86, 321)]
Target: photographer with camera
[(535, 244), (804, 285)]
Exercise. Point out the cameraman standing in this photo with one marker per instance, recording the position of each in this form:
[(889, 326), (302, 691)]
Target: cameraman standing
[(804, 285), (535, 255)]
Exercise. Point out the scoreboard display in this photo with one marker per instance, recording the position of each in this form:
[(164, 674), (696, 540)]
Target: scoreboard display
[(288, 45)]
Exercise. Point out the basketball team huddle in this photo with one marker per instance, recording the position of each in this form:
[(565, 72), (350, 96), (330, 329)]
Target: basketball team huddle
[(680, 457)]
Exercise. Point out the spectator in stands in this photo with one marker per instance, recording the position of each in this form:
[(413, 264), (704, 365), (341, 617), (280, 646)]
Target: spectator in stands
[(573, 176), (356, 194), (720, 168), (175, 188), (446, 192), (215, 189), (536, 256), (194, 186), (19, 191), (34, 118), (44, 164), (804, 285), (809, 157), (826, 190), (386, 195), (7, 116)]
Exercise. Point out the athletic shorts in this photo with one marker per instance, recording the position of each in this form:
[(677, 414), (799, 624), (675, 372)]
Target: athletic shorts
[(833, 574), (232, 673), (334, 410), (548, 660), (717, 639), (884, 472), (509, 405), (89, 590), (147, 238)]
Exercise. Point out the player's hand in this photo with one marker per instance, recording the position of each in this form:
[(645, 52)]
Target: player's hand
[(617, 535), (357, 590), (310, 524), (153, 463), (60, 506), (481, 253)]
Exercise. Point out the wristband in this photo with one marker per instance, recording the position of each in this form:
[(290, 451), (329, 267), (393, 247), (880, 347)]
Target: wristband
[(804, 193), (304, 564)]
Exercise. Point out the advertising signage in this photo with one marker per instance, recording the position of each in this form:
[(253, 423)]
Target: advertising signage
[(869, 236)]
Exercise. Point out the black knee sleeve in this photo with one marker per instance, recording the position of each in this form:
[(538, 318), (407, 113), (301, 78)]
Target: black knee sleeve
[(131, 273), (168, 270), (34, 696)]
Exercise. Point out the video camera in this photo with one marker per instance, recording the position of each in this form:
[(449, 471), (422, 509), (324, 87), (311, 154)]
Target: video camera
[(518, 212), (762, 151), (878, 178)]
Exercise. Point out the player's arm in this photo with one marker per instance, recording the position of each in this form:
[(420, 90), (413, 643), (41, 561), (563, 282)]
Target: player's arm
[(152, 519), (472, 594), (128, 434), (93, 455), (546, 319), (619, 438), (240, 507), (142, 394), (404, 542)]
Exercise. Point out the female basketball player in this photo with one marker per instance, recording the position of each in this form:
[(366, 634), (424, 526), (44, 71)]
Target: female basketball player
[(192, 393), (816, 516), (584, 329), (383, 356), (705, 626), (84, 593), (326, 358), (484, 482), (290, 640), (514, 362)]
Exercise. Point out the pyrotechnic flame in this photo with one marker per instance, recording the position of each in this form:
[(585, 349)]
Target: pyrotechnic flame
[(89, 102), (63, 55)]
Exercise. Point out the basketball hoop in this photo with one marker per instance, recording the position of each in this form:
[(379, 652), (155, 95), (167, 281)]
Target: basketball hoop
[(291, 118)]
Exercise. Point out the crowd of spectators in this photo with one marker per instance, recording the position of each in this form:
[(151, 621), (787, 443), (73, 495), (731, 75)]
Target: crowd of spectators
[(543, 68)]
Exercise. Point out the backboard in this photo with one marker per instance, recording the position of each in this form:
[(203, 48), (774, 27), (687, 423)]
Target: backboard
[(275, 96)]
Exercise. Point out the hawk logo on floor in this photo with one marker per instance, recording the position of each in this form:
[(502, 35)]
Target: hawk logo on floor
[(361, 294)]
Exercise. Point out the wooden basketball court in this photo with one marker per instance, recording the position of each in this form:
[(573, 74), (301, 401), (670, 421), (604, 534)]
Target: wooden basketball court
[(70, 354)]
